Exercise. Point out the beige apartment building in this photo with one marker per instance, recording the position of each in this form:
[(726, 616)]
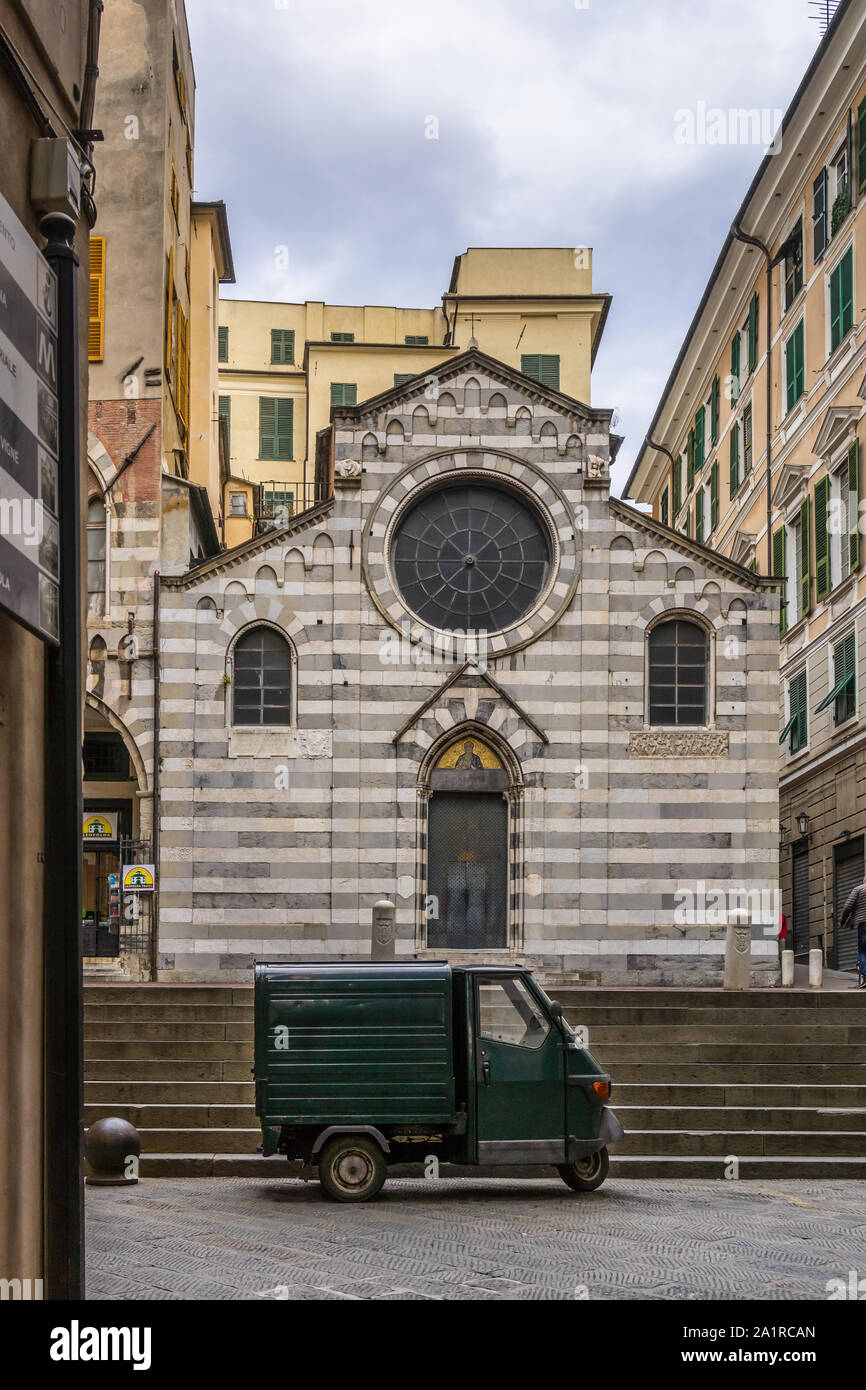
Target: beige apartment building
[(755, 450), (284, 367)]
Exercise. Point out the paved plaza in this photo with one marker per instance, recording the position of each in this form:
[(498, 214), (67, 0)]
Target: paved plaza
[(239, 1238)]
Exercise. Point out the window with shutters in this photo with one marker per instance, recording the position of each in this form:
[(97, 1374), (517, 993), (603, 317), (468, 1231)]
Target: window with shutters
[(665, 513), (183, 366), (175, 197), (96, 319), (820, 230), (792, 264), (400, 378), (780, 559), (237, 504), (189, 157), (223, 344), (736, 343), (823, 555), (843, 688), (282, 346), (542, 367), (714, 496), (344, 393), (690, 460), (752, 330), (342, 337), (678, 666), (677, 486), (795, 367), (713, 409), (796, 729), (839, 190), (700, 438), (262, 679), (699, 515), (861, 146), (734, 447), (746, 437), (225, 410), (841, 296), (838, 524), (854, 544), (795, 571), (276, 418), (416, 340)]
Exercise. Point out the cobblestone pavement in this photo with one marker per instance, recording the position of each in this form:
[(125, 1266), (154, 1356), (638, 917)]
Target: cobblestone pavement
[(237, 1238)]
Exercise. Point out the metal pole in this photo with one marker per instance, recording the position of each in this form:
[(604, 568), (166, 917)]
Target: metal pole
[(157, 717), (64, 1086)]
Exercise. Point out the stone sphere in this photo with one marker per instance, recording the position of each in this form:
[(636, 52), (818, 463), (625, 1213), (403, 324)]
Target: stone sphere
[(108, 1146)]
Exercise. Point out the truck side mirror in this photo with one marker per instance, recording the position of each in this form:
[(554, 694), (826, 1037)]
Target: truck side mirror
[(555, 1010)]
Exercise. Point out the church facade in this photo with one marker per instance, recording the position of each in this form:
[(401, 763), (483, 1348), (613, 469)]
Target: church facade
[(541, 723)]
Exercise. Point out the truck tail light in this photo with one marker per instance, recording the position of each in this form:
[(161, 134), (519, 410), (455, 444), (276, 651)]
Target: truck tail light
[(602, 1089)]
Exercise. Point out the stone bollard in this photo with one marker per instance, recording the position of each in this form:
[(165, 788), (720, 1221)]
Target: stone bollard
[(816, 968), (787, 969), (112, 1148), (384, 937), (738, 950)]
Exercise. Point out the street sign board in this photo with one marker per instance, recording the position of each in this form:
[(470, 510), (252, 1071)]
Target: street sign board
[(29, 432), (138, 878)]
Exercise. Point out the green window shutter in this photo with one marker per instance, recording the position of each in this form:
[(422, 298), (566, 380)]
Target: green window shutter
[(687, 528), (416, 340), (854, 503), (342, 337), (665, 508), (690, 460), (282, 345), (823, 581), (700, 435), (285, 414), (714, 411), (223, 344), (861, 146), (225, 410), (542, 367), (794, 367), (779, 565), (400, 377), (747, 439), (805, 557), (735, 368), (819, 215), (267, 427), (844, 690), (841, 299), (796, 729), (735, 457), (714, 495), (699, 515), (753, 332), (344, 393), (677, 485)]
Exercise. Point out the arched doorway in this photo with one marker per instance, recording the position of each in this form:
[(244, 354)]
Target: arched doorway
[(469, 837)]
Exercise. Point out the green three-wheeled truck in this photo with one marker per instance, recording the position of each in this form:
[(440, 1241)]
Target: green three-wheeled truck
[(362, 1065)]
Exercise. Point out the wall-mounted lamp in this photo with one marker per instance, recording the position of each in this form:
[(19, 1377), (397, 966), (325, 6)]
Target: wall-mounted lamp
[(803, 824)]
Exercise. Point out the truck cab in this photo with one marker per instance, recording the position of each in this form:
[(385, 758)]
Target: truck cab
[(364, 1065)]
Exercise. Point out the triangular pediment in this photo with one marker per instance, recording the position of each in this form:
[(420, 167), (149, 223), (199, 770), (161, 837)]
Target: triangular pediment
[(838, 423), (790, 483), (470, 669), (488, 370), (743, 549)]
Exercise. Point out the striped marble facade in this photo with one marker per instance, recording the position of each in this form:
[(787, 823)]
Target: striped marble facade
[(279, 842)]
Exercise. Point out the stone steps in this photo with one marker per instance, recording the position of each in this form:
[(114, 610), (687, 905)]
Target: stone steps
[(776, 1080)]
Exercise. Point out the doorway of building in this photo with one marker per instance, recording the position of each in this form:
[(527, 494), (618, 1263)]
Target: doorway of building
[(468, 870), (800, 899), (847, 873)]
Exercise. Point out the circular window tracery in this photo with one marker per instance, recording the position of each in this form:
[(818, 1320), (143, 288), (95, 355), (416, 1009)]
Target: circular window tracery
[(471, 556)]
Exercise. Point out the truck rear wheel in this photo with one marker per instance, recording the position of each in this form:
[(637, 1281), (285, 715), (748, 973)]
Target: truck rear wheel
[(585, 1174), (352, 1168)]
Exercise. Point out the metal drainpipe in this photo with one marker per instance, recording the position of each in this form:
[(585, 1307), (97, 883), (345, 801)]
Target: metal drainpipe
[(663, 450), (154, 926), (754, 241)]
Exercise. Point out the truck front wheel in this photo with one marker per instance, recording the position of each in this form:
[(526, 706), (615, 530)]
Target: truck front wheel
[(585, 1174), (352, 1168)]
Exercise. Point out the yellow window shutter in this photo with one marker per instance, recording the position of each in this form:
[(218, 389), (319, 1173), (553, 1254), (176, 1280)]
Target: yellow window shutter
[(96, 322), (169, 302)]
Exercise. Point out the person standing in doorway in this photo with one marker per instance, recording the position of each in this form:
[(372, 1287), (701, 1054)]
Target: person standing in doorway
[(854, 915)]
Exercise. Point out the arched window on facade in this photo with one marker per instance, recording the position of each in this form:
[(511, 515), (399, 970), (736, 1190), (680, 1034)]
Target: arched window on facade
[(678, 673), (96, 597), (262, 679)]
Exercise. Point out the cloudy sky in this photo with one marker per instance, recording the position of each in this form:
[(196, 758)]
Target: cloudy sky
[(557, 124)]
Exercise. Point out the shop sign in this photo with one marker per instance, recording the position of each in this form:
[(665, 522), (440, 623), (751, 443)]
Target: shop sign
[(139, 878), (100, 825)]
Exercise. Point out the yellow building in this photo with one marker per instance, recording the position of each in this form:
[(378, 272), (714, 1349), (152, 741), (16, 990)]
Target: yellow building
[(284, 366), (769, 385)]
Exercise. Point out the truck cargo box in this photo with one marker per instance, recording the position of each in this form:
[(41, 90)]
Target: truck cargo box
[(353, 1043)]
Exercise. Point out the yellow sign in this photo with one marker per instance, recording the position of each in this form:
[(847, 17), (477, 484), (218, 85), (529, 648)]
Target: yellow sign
[(469, 755), (100, 825), (138, 878)]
